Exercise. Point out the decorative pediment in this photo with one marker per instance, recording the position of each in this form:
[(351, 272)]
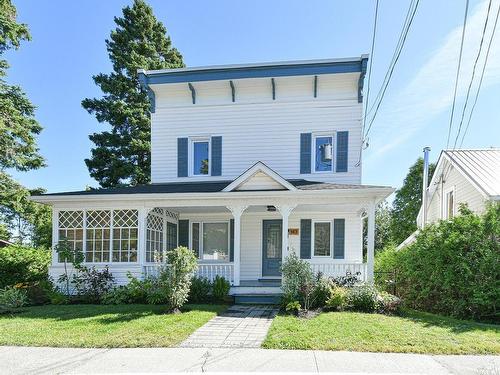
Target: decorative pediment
[(259, 177)]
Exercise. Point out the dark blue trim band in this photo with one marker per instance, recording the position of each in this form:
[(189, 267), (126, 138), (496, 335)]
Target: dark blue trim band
[(257, 72)]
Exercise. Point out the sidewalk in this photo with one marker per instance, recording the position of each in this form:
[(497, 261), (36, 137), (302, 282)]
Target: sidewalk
[(26, 360)]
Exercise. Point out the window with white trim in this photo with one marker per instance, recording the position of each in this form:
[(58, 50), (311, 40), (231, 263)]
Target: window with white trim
[(125, 233), (449, 204), (322, 155), (154, 237), (322, 238), (70, 227), (199, 156), (211, 240), (98, 236)]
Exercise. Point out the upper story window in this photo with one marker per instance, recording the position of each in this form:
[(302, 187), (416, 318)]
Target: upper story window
[(449, 204), (323, 153), (200, 156)]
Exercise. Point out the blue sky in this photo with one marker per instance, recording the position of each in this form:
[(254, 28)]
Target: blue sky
[(56, 67)]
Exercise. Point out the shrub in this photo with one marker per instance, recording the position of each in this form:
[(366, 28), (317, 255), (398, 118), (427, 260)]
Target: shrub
[(362, 298), (201, 289), (91, 284), (321, 290), (337, 299), (451, 268), (175, 279), (221, 288), (38, 292), (12, 298), (348, 281), (388, 303), (20, 264), (297, 279), (293, 307)]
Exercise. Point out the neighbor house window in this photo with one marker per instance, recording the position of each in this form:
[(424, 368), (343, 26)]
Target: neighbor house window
[(322, 239), (71, 229), (200, 159), (98, 236), (323, 153), (450, 204), (125, 231)]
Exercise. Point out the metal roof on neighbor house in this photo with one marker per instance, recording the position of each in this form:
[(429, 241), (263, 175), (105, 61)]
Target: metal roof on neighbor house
[(482, 167), (202, 187)]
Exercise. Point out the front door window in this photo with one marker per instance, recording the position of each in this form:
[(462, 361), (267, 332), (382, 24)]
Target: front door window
[(271, 247)]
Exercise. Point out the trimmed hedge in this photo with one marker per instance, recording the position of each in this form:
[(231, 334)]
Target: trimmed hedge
[(20, 264), (452, 268)]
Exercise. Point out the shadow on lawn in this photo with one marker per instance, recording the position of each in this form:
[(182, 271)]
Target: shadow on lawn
[(454, 325), (106, 314)]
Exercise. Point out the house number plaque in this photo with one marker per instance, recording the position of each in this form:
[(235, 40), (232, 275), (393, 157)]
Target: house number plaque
[(293, 231)]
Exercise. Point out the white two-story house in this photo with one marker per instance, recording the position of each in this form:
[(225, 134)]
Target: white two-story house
[(249, 163)]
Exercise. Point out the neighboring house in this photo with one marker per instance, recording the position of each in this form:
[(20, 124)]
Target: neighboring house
[(462, 176), (249, 163), (4, 243)]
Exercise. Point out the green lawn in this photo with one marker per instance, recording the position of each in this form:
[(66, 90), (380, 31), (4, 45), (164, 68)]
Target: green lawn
[(413, 332), (101, 326)]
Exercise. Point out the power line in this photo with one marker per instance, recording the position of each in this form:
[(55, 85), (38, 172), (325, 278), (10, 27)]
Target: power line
[(482, 75), (391, 70), (398, 46), (458, 72), (473, 75)]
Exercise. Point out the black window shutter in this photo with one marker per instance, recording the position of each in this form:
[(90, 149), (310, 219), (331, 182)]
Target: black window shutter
[(342, 151), (184, 233), (216, 162), (338, 238), (231, 240), (182, 157), (305, 153), (305, 239)]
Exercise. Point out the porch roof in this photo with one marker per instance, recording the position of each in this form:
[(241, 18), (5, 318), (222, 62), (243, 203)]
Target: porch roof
[(204, 187)]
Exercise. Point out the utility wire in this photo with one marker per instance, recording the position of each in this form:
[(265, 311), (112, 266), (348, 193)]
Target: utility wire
[(391, 70), (472, 76), (398, 46), (482, 75), (458, 72)]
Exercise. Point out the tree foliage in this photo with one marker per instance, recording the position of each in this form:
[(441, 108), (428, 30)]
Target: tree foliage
[(383, 233), (451, 268), (18, 145), (122, 155), (407, 202)]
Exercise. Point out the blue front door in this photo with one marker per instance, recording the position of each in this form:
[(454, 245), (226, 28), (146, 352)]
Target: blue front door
[(271, 247)]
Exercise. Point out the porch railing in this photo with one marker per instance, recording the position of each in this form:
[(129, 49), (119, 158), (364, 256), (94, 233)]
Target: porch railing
[(207, 270), (340, 269)]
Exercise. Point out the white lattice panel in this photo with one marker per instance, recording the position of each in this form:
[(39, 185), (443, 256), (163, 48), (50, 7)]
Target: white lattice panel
[(71, 219), (125, 218), (98, 219), (158, 210), (155, 223)]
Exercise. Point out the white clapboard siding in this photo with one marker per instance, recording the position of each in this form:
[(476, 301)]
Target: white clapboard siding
[(465, 192), (255, 127)]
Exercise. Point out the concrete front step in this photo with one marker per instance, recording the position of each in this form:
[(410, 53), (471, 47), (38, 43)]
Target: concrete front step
[(257, 298)]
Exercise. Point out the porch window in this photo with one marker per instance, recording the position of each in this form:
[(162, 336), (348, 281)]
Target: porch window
[(98, 236), (154, 237), (323, 153), (211, 240), (171, 235), (71, 229), (125, 232), (200, 160), (322, 239)]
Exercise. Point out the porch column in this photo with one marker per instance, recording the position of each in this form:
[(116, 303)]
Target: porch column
[(237, 211), (370, 254), (285, 211), (141, 235)]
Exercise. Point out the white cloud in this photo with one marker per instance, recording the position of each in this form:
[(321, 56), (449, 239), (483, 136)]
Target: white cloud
[(431, 90)]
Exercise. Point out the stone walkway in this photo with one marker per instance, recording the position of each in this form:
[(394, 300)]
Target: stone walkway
[(240, 326)]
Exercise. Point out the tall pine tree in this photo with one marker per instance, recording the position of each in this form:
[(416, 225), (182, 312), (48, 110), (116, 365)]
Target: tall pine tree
[(122, 155), (20, 218)]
